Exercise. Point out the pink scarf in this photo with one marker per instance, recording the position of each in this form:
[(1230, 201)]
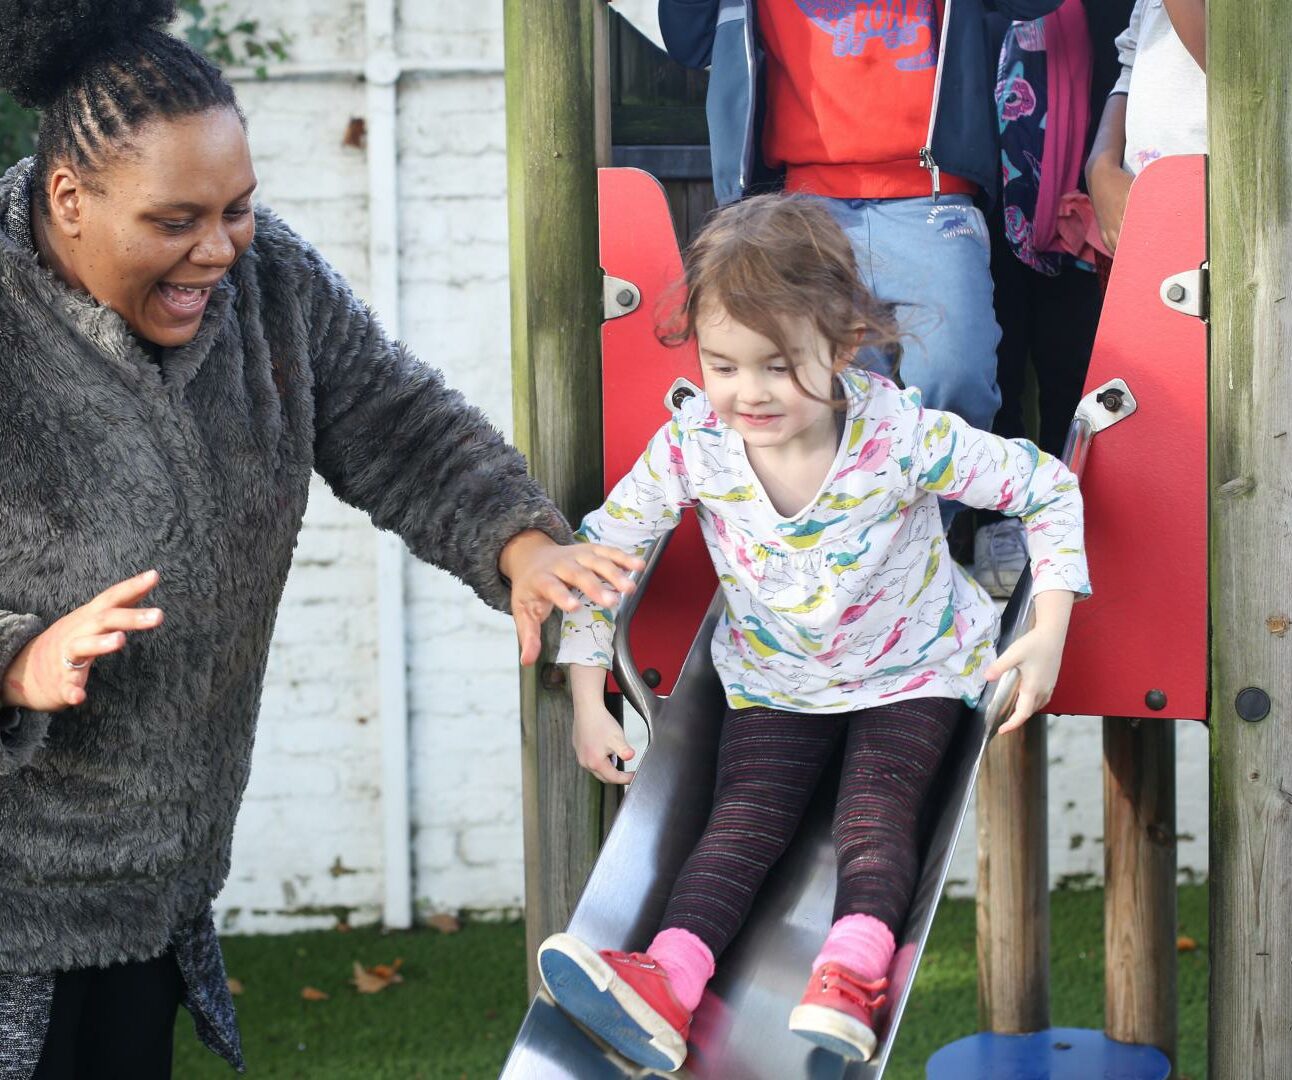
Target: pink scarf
[(1068, 60)]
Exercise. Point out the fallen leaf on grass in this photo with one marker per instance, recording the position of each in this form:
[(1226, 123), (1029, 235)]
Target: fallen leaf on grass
[(235, 986), (375, 979), (1185, 944), (310, 993), (445, 924)]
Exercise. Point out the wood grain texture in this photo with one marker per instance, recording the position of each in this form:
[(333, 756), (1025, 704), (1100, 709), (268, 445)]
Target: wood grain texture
[(1140, 1000), (1013, 897), (552, 146), (1250, 579)]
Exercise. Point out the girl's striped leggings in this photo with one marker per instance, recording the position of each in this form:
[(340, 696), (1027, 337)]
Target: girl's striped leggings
[(769, 764)]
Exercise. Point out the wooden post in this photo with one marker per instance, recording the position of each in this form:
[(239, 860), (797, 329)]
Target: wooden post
[(1013, 883), (1250, 580), (1140, 999), (552, 141)]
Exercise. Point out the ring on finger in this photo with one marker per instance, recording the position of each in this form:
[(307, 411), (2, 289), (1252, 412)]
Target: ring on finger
[(72, 666)]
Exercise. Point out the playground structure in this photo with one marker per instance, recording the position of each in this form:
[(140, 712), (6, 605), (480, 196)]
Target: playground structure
[(1162, 670), (662, 644)]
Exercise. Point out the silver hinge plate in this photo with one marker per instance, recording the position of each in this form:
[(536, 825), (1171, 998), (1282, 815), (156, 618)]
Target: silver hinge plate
[(679, 393), (618, 297), (1107, 405), (1187, 292)]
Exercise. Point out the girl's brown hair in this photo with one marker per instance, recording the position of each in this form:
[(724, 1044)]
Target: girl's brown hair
[(774, 258)]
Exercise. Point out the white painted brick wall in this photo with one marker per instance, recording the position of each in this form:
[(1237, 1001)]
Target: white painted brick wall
[(308, 843), (308, 838), (463, 687)]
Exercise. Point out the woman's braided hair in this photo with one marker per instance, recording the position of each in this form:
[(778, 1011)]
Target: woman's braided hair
[(98, 71)]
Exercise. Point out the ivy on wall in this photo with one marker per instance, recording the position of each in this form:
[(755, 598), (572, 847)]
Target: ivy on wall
[(17, 131), (230, 44)]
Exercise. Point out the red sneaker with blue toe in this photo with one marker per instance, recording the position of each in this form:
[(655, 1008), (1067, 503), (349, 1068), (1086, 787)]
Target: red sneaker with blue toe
[(838, 1011), (625, 998)]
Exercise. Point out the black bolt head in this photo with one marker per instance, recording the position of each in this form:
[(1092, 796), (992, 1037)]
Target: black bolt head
[(1155, 700), (1253, 704), (651, 677), (1111, 400)]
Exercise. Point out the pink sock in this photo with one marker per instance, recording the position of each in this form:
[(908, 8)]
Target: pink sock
[(861, 943), (686, 961)]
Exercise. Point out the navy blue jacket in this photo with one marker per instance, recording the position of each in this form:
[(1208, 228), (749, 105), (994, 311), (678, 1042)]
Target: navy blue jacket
[(722, 35)]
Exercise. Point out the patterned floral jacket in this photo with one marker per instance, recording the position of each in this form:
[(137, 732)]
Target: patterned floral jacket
[(854, 600)]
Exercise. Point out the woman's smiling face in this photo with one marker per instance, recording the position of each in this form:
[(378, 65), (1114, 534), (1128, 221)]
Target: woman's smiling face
[(159, 224)]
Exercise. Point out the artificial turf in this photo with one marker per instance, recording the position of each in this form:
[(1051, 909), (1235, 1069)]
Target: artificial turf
[(454, 1015)]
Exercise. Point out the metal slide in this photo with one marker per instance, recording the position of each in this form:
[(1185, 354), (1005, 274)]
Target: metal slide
[(740, 1029)]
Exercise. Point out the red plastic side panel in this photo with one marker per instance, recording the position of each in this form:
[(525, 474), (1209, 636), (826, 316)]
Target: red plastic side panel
[(639, 245), (1145, 628)]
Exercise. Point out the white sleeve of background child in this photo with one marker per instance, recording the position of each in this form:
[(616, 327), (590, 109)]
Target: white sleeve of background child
[(1127, 43), (644, 505), (956, 461)]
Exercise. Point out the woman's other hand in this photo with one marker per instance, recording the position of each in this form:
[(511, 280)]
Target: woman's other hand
[(51, 671), (545, 574)]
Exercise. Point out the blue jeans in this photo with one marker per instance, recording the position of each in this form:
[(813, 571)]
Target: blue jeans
[(933, 261)]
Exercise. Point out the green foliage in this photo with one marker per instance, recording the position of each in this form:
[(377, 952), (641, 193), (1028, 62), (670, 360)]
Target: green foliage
[(17, 130), (232, 44)]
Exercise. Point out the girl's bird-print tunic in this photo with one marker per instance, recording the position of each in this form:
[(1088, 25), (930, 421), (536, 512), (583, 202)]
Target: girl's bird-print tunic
[(855, 600)]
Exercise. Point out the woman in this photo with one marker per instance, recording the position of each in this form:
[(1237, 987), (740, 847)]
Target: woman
[(173, 365)]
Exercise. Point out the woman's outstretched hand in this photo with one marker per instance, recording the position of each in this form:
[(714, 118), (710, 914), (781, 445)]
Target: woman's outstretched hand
[(51, 671), (545, 574)]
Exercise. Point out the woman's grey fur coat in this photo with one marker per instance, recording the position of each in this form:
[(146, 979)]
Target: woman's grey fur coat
[(117, 815)]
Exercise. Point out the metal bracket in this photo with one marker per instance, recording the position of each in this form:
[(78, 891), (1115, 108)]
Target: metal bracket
[(618, 297), (1187, 292), (679, 393), (1107, 405)]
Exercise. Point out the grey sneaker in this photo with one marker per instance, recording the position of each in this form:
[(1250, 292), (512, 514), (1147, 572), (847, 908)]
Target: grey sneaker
[(1000, 557)]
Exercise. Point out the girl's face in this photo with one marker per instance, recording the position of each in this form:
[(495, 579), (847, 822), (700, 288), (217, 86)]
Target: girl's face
[(749, 384), (157, 227)]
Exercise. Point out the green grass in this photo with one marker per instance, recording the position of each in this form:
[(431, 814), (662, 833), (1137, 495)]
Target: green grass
[(455, 1014)]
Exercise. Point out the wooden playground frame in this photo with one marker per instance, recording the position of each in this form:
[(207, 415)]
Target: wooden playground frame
[(559, 132)]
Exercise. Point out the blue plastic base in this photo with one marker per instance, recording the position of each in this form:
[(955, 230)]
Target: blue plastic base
[(1057, 1054)]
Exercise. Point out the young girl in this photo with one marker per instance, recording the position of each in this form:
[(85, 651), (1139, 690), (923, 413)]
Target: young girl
[(817, 486)]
